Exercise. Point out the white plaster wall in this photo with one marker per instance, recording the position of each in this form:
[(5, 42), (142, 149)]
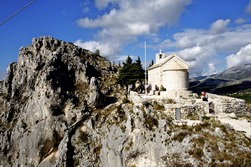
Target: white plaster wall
[(175, 80), (154, 76)]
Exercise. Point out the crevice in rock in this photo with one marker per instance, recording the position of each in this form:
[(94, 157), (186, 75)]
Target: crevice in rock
[(9, 78), (56, 110), (65, 147), (91, 71)]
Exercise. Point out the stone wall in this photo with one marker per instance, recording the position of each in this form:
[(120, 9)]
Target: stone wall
[(225, 104), (175, 94), (195, 107)]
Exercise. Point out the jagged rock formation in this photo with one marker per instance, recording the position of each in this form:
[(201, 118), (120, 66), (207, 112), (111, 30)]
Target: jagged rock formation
[(44, 93), (60, 106)]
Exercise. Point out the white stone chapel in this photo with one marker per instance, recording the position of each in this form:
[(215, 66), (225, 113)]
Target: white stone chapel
[(170, 72)]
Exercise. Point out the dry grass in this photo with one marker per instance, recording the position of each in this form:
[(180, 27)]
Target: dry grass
[(157, 106)]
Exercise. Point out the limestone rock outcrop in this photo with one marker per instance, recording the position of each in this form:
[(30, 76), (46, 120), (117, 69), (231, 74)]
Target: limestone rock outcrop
[(44, 93), (60, 106)]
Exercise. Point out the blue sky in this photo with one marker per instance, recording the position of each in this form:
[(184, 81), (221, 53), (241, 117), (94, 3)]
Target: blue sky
[(211, 35)]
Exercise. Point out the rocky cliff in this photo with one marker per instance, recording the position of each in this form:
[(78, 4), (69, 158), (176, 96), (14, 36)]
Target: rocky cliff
[(53, 85), (60, 106)]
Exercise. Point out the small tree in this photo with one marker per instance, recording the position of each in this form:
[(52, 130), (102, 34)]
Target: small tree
[(130, 72), (97, 52), (138, 62), (152, 63), (139, 72), (128, 60)]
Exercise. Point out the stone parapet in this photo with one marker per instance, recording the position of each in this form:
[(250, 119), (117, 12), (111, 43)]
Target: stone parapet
[(225, 104), (175, 94)]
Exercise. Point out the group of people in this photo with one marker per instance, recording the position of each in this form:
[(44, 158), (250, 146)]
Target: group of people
[(138, 87), (141, 88)]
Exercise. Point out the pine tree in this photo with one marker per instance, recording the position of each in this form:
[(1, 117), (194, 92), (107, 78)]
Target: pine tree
[(138, 62), (130, 72), (97, 52), (128, 61), (152, 63), (139, 72)]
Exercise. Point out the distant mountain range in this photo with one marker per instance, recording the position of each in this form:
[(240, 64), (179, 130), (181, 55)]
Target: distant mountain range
[(232, 80)]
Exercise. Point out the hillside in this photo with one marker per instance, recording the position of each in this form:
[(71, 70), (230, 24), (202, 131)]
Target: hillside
[(60, 106), (233, 80), (236, 73)]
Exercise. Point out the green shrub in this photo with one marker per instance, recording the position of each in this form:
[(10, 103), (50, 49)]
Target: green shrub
[(193, 115), (129, 145), (169, 101), (150, 122), (157, 106), (200, 141), (198, 153), (97, 149), (180, 136), (205, 118), (83, 136), (197, 128), (125, 100), (245, 96)]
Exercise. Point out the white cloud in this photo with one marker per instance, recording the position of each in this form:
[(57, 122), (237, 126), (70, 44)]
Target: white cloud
[(106, 49), (85, 9), (243, 56), (152, 14), (211, 69), (101, 4), (129, 20), (184, 41), (240, 21), (199, 47), (198, 58), (163, 44), (85, 6), (248, 8), (191, 37), (125, 20), (219, 26)]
